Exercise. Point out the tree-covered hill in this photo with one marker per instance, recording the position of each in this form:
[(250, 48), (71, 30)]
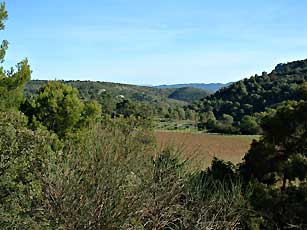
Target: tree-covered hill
[(92, 89), (114, 97), (89, 89), (189, 94), (254, 95)]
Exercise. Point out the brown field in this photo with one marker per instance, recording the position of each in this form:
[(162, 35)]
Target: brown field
[(200, 148)]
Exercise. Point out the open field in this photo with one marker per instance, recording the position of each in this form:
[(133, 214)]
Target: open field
[(202, 147)]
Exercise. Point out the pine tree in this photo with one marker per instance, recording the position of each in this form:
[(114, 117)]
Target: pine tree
[(12, 82)]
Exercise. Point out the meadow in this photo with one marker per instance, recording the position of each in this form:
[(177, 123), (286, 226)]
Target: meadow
[(200, 148)]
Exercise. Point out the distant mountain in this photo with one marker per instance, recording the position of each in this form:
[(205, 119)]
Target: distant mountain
[(213, 87), (189, 94)]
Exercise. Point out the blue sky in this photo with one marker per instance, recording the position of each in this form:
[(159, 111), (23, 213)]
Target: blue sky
[(155, 42)]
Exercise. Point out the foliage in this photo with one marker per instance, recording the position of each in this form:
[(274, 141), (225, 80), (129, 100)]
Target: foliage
[(249, 125), (58, 107), (109, 178), (218, 198), (149, 100), (256, 94), (106, 172), (11, 82), (93, 184), (281, 153), (188, 94), (278, 166), (23, 157)]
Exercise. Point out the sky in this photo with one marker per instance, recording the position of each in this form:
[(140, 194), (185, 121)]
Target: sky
[(154, 42)]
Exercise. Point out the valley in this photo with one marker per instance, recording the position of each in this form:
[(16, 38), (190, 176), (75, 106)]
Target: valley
[(101, 155)]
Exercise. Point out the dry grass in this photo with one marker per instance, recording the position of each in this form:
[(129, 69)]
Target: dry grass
[(201, 147)]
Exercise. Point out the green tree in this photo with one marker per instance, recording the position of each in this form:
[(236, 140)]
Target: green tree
[(11, 82), (249, 125), (126, 108), (181, 113), (282, 148), (58, 107), (276, 165), (227, 119), (91, 113), (207, 120)]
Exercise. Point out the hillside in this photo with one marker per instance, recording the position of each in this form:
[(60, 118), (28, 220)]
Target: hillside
[(90, 89), (257, 93), (212, 87), (188, 94), (146, 94), (116, 98)]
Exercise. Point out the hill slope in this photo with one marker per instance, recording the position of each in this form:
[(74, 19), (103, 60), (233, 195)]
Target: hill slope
[(188, 94), (256, 94), (88, 89), (159, 102), (212, 87)]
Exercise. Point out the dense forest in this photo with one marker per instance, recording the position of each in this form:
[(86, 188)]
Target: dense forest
[(240, 107), (66, 164)]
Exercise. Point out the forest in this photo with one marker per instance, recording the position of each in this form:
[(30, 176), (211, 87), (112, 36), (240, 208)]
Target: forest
[(240, 107), (81, 155)]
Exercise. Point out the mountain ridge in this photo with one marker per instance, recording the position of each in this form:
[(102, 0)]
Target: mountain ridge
[(213, 87)]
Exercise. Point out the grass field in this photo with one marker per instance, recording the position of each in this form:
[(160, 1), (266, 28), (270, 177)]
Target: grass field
[(200, 148)]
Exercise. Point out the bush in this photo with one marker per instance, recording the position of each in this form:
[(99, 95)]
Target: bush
[(108, 177), (94, 184), (23, 157), (218, 199)]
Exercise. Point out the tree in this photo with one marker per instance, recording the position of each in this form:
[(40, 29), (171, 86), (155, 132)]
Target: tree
[(107, 102), (207, 120), (280, 155), (181, 113), (126, 108), (11, 82), (276, 166), (249, 125), (91, 113), (58, 107), (227, 119)]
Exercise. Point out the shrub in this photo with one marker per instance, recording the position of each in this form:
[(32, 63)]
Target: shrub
[(94, 183), (23, 157)]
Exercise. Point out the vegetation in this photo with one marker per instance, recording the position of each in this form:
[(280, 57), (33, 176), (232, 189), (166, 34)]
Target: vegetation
[(277, 165), (188, 94), (115, 98), (71, 162), (254, 97), (211, 87), (11, 82), (58, 107)]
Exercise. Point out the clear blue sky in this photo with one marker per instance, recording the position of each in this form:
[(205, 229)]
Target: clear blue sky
[(155, 42)]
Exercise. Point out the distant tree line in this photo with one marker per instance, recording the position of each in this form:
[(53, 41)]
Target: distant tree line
[(146, 103)]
